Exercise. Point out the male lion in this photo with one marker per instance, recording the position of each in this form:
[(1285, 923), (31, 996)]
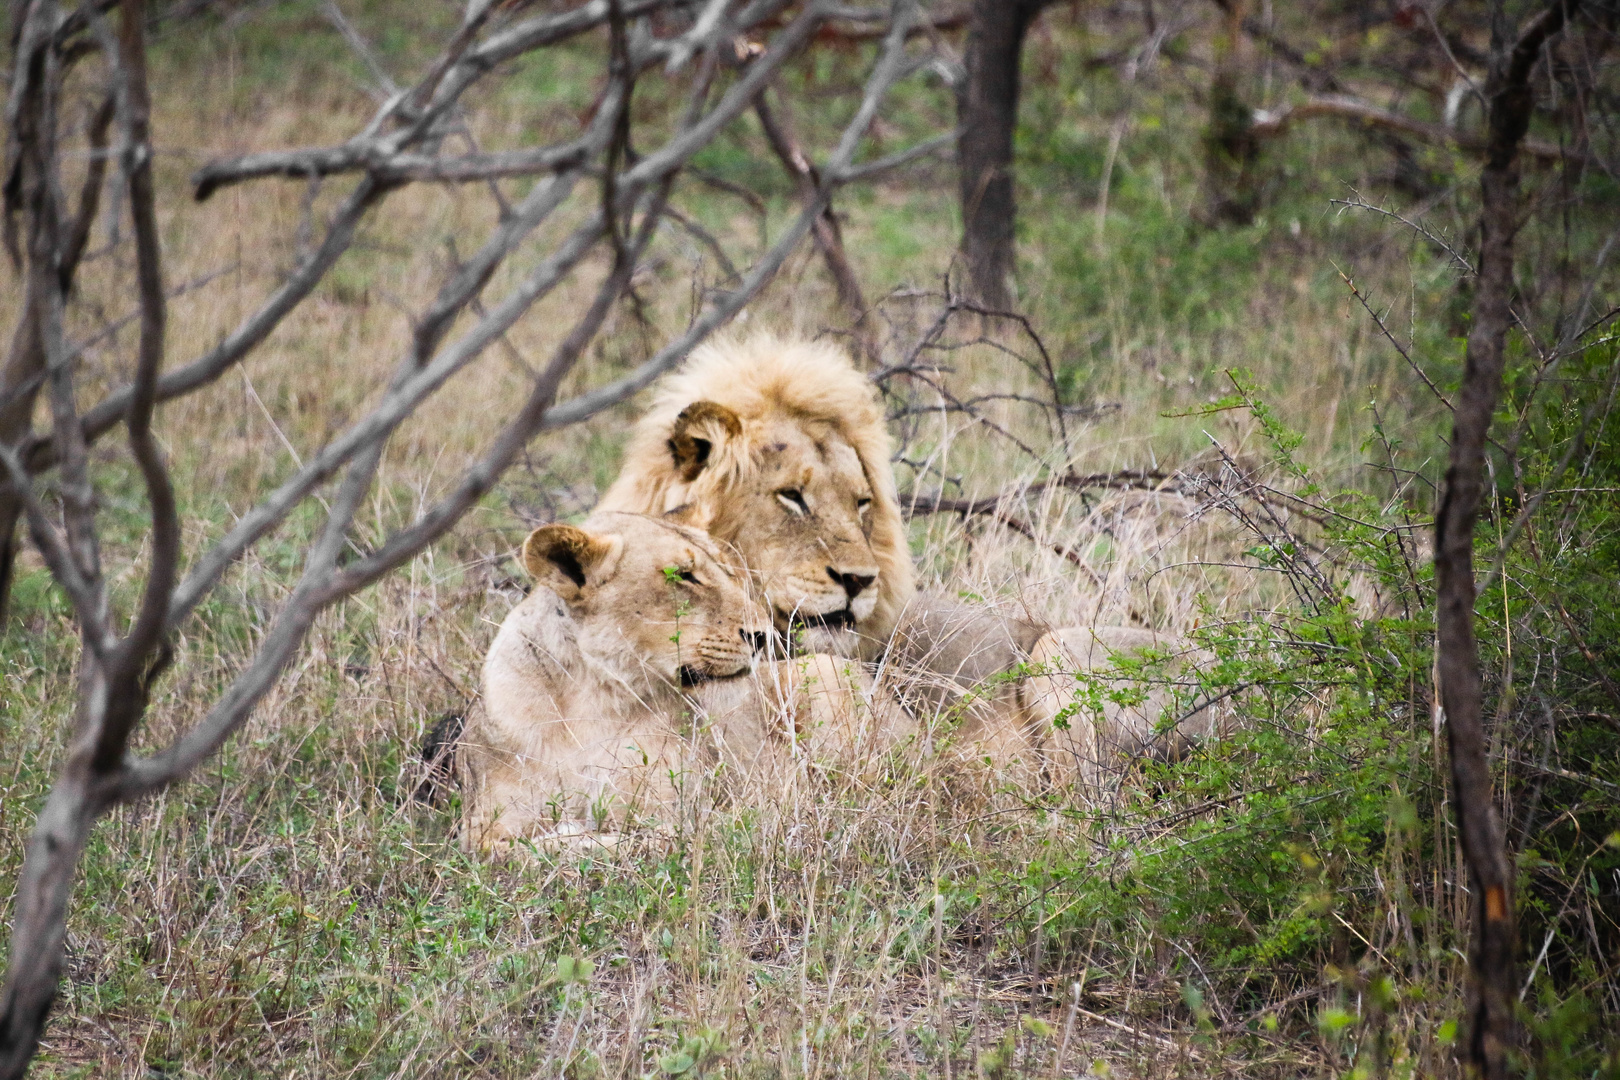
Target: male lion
[(778, 450), (585, 685)]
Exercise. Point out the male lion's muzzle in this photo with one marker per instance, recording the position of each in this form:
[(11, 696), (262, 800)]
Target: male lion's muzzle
[(691, 675), (832, 620)]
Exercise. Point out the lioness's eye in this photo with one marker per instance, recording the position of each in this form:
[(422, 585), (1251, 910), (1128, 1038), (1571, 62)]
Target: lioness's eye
[(793, 499), (672, 574), (862, 506)]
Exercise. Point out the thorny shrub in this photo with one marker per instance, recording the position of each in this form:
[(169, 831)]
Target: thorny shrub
[(1302, 870)]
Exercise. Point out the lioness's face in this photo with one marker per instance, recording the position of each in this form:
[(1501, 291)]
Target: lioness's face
[(653, 593), (799, 521)]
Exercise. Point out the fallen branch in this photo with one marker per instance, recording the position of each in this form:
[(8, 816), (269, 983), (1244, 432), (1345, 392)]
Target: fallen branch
[(995, 507)]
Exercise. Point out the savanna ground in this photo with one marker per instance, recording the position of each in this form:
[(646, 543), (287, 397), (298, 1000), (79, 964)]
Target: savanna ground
[(1285, 902)]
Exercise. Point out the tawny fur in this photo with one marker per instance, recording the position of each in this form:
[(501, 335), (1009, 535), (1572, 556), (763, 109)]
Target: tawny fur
[(956, 665), (798, 406), (584, 718), (825, 709), (1021, 698), (1077, 668)]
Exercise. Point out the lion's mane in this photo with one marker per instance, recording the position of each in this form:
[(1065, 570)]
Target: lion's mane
[(763, 378)]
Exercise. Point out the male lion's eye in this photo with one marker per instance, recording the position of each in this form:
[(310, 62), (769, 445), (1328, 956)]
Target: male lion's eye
[(673, 574), (862, 506), (793, 499)]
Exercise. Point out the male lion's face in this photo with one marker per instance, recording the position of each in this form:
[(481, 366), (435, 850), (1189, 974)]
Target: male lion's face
[(798, 517), (651, 595)]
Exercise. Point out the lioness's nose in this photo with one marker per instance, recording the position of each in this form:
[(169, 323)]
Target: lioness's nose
[(854, 584), (756, 640)]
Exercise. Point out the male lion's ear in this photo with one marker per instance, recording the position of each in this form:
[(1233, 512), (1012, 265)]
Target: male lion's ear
[(565, 559), (699, 426)]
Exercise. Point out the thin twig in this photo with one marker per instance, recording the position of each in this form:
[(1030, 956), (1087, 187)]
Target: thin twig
[(1413, 364)]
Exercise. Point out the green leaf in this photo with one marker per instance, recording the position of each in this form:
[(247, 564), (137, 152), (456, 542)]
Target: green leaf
[(677, 1062), (1039, 1028), (1332, 1020), (573, 969)]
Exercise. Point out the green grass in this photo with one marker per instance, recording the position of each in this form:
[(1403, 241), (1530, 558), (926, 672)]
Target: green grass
[(290, 911)]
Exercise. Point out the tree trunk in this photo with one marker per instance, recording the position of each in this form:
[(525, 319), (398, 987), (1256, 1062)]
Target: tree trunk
[(19, 386), (38, 927), (987, 113), (1493, 939), (24, 371), (1231, 146)]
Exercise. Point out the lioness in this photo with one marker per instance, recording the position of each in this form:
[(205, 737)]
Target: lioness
[(778, 450), (585, 685)]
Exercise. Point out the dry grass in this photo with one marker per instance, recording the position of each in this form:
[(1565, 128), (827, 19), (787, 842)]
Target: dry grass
[(292, 912)]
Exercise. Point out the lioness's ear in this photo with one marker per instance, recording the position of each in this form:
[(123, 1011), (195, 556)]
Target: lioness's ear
[(697, 429), (565, 559)]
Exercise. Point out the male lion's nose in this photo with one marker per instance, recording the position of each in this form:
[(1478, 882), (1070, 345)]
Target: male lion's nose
[(756, 640), (854, 584)]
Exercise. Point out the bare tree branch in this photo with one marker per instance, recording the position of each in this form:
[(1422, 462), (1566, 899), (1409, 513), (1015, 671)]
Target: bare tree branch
[(32, 191), (340, 234), (48, 539), (420, 382), (390, 167), (362, 48), (105, 415), (130, 670), (825, 230), (436, 92), (995, 509), (89, 194), (1268, 124), (398, 146), (1379, 319), (589, 404), (866, 170)]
